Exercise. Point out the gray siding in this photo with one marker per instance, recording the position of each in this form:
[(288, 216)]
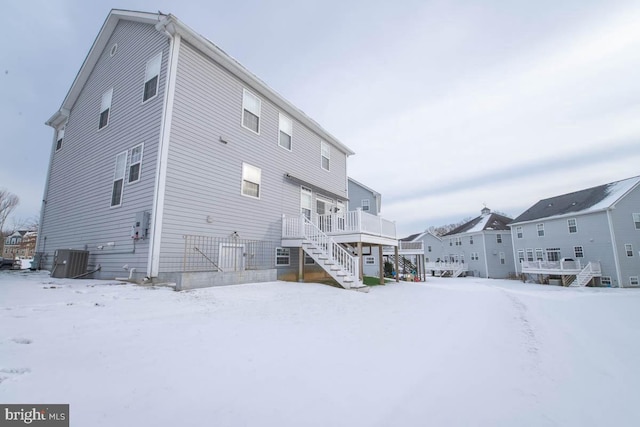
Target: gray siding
[(432, 242), (592, 234), (357, 193), (485, 243), (625, 232), (77, 213), (204, 174)]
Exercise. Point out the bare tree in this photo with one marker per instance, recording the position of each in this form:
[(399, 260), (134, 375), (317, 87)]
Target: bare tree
[(8, 202)]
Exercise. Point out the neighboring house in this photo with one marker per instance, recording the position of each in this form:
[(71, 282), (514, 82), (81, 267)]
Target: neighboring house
[(20, 244), (432, 244), (480, 247), (363, 197), (172, 162), (591, 235), (410, 258)]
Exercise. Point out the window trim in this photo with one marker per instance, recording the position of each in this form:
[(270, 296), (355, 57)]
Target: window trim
[(60, 137), (575, 225), (245, 93), (157, 57), (325, 148), (245, 167), (634, 279), (139, 162), (105, 107), (635, 217), (282, 255), (605, 280), (369, 258), (288, 119), (578, 250), (519, 232), (117, 177), (628, 248), (521, 257), (530, 251), (304, 191), (540, 228), (499, 238), (367, 205)]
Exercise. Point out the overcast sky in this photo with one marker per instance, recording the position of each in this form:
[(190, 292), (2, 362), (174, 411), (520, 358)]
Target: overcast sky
[(449, 105)]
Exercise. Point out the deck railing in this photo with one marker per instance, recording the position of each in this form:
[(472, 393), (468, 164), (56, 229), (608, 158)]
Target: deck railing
[(341, 223), (551, 265), (415, 247)]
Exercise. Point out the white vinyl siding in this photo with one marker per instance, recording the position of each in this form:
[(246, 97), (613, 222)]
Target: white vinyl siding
[(325, 154), (135, 163), (283, 256), (251, 180), (285, 136), (105, 108), (251, 110), (573, 225), (152, 77), (119, 171)]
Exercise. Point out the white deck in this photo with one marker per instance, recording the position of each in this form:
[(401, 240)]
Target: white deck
[(559, 268)]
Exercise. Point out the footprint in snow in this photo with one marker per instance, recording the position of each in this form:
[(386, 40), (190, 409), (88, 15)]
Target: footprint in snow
[(8, 373), (21, 340)]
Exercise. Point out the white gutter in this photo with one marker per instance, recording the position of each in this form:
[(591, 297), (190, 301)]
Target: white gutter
[(615, 248), (153, 265), (486, 255)]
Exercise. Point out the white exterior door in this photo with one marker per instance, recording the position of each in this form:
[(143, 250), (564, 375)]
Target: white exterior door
[(231, 257)]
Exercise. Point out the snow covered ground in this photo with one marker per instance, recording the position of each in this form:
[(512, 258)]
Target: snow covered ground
[(449, 352)]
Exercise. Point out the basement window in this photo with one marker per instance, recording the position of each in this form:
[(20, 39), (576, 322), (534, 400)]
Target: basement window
[(286, 132), (283, 256)]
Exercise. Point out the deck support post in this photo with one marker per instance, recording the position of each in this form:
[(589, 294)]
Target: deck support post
[(300, 264), (381, 262), (395, 252), (360, 267)]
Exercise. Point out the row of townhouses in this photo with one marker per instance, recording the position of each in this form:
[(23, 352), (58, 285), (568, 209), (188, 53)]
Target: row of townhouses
[(591, 236)]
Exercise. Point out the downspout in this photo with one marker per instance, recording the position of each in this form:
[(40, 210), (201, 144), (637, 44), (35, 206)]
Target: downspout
[(614, 245), (516, 261), (486, 255), (153, 266)]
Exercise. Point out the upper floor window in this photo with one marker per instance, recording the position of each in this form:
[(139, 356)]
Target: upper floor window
[(152, 77), (365, 204), (540, 228), (428, 248), (573, 225), (325, 153), (251, 107), (59, 138), (519, 232), (471, 240), (105, 108), (636, 220), (498, 238), (286, 132), (118, 179), (251, 179), (628, 248), (135, 163)]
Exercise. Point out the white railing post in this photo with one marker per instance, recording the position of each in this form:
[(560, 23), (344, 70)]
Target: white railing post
[(302, 226), (359, 219)]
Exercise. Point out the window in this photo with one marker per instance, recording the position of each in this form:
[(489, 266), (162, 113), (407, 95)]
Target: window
[(530, 255), (152, 77), (286, 132), (135, 163), (370, 260), (471, 240), (553, 254), (520, 255), (118, 179), (308, 260), (283, 256), (475, 256), (251, 107), (502, 258), (519, 232), (605, 281), (540, 230), (633, 281), (573, 225), (450, 242), (105, 108), (636, 220), (251, 180), (325, 153), (306, 201), (59, 138), (498, 238), (428, 248), (628, 248), (365, 205), (578, 251), (539, 254)]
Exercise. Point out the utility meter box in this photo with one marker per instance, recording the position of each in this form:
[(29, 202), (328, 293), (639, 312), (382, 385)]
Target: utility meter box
[(141, 226), (69, 263)]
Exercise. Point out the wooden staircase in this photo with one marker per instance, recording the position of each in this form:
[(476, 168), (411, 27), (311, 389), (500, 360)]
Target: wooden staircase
[(585, 276), (332, 257)]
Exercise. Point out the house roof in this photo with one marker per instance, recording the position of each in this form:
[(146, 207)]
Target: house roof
[(484, 222), (170, 25), (418, 236), (580, 202), (364, 186), (411, 238)]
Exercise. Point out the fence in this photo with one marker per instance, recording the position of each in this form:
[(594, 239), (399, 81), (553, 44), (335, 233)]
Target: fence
[(221, 254)]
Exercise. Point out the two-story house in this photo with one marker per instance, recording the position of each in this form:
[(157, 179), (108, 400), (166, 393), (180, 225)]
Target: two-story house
[(20, 244), (172, 162), (480, 247), (591, 236)]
